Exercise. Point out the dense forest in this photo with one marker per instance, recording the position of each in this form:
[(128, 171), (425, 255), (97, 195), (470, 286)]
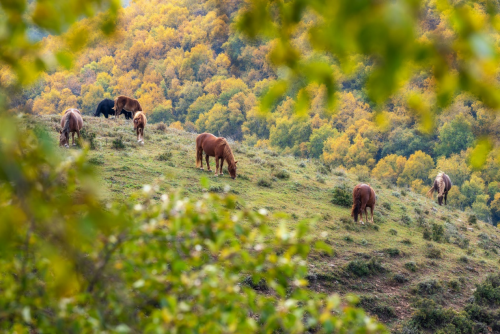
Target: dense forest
[(190, 68)]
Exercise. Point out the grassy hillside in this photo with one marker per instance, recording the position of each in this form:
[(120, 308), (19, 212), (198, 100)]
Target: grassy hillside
[(389, 264)]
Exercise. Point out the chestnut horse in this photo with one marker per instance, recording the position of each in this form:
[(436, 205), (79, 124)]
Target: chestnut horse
[(127, 103), (442, 184), (215, 147), (140, 121), (363, 196), (71, 121)]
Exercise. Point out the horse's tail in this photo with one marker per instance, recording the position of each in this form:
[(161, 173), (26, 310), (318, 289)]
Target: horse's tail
[(199, 156), (66, 121), (356, 206), (114, 107), (431, 192)]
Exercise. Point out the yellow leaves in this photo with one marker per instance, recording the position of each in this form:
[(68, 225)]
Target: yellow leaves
[(417, 104), (382, 119), (479, 154)]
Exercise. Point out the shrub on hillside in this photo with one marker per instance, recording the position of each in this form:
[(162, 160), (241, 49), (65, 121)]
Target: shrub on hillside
[(437, 232), (165, 156), (89, 136), (282, 174), (118, 143), (472, 219), (365, 268), (387, 205), (411, 266), (264, 183), (433, 253), (342, 196), (97, 160)]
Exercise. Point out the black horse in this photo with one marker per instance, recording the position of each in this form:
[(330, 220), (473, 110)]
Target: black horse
[(105, 107)]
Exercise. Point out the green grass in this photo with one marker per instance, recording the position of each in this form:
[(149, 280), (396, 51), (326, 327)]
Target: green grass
[(300, 195)]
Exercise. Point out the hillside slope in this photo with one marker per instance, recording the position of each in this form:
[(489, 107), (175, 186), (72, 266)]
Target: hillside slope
[(389, 263)]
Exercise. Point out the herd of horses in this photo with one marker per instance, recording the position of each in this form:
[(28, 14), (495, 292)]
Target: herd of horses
[(363, 194)]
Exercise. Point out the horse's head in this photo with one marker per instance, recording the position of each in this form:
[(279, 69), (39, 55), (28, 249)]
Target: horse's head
[(63, 138), (440, 199), (232, 169), (136, 123)]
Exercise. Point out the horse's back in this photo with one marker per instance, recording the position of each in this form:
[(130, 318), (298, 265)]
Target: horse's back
[(74, 117), (366, 192)]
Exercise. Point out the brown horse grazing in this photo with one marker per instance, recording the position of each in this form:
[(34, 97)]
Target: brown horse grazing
[(140, 121), (363, 196), (442, 184), (126, 103), (215, 147), (71, 121)]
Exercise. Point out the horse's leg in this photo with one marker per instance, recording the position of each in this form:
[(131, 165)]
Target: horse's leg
[(445, 198), (73, 138), (221, 164), (216, 164), (208, 163), (199, 157), (78, 134), (371, 210)]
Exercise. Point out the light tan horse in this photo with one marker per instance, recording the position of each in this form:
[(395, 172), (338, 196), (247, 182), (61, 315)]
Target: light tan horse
[(126, 103), (217, 147), (140, 121), (442, 184), (71, 121), (363, 196)]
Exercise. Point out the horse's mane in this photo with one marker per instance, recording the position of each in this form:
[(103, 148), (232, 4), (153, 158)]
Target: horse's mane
[(441, 184), (228, 154), (66, 123)]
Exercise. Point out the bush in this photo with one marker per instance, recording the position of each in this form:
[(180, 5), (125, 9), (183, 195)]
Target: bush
[(320, 178), (264, 183), (411, 266), (97, 160), (89, 137), (348, 238), (392, 252), (437, 232), (429, 287), (342, 196), (164, 156), (488, 292), (118, 143), (406, 241), (339, 172), (403, 192), (405, 219), (161, 127), (387, 206), (396, 194), (365, 268), (282, 174), (427, 235), (433, 253), (472, 220), (393, 232), (464, 259), (374, 306), (400, 278), (302, 164)]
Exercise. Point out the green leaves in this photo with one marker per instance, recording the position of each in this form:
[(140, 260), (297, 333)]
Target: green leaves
[(459, 56), (154, 263), (28, 58)]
